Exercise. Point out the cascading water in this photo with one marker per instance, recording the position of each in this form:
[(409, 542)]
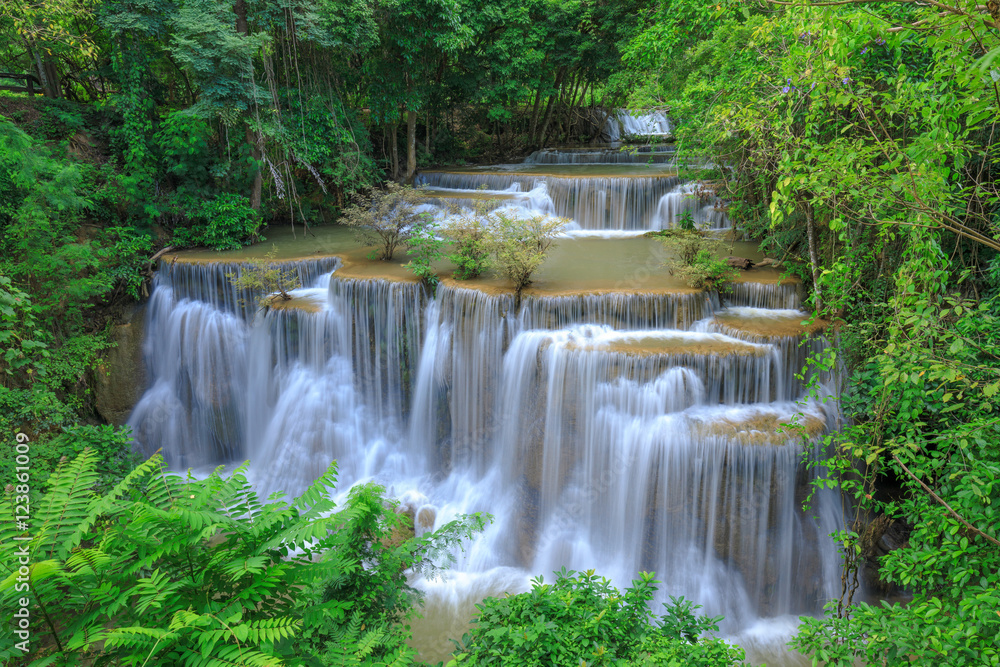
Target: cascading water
[(593, 202), (704, 209), (626, 123), (653, 154), (610, 429)]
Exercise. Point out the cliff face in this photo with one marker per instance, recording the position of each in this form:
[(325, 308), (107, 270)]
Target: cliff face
[(120, 379)]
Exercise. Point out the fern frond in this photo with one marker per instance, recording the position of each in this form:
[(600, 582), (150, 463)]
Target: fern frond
[(368, 643), (65, 505), (317, 492), (104, 504)]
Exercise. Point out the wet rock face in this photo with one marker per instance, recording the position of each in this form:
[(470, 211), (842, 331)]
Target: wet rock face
[(880, 536), (119, 379)]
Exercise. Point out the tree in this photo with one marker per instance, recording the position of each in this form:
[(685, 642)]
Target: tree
[(520, 245), (385, 218), (266, 279)]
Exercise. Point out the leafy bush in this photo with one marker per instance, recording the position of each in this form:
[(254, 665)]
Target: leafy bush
[(695, 259), (112, 444), (686, 221), (59, 119), (183, 144), (126, 252), (384, 218), (165, 569), (232, 223), (661, 651), (22, 339), (470, 247), (425, 248), (519, 245), (582, 619), (225, 222)]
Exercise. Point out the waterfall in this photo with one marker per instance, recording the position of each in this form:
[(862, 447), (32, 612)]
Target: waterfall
[(705, 209), (621, 431), (592, 202), (654, 154), (196, 355), (627, 123), (536, 200)]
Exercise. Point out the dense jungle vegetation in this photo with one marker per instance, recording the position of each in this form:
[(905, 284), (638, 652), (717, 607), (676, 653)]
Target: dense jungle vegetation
[(855, 140)]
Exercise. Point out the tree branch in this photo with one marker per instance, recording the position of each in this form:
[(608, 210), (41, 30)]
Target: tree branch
[(943, 503)]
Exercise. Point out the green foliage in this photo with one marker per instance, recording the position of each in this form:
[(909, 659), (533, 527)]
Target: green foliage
[(20, 335), (661, 651), (686, 221), (36, 231), (582, 619), (186, 571), (695, 258), (183, 142), (425, 248), (112, 445), (126, 259), (470, 245), (59, 120), (231, 222), (266, 279), (927, 418), (224, 222), (385, 218), (520, 245)]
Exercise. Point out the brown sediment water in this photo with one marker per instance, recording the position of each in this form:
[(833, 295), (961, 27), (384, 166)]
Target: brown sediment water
[(574, 265), (647, 345), (628, 170), (309, 302), (769, 326), (287, 244), (765, 428), (358, 264)]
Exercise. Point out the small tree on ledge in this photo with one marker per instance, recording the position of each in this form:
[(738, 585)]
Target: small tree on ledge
[(266, 279), (384, 218), (519, 246)]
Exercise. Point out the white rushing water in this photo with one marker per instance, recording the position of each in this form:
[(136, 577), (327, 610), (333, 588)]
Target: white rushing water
[(620, 432), (627, 123)]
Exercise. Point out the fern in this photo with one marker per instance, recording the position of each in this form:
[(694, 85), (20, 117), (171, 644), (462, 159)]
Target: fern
[(174, 570), (64, 507)]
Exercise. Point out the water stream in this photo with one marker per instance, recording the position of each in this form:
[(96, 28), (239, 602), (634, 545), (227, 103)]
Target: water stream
[(605, 424)]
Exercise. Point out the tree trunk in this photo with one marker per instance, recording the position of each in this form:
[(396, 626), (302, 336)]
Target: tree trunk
[(394, 149), (258, 179), (551, 106), (534, 114), (243, 27), (411, 146), (52, 74), (814, 257), (427, 134), (39, 68)]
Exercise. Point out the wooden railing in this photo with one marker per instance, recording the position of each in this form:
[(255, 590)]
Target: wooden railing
[(30, 83)]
